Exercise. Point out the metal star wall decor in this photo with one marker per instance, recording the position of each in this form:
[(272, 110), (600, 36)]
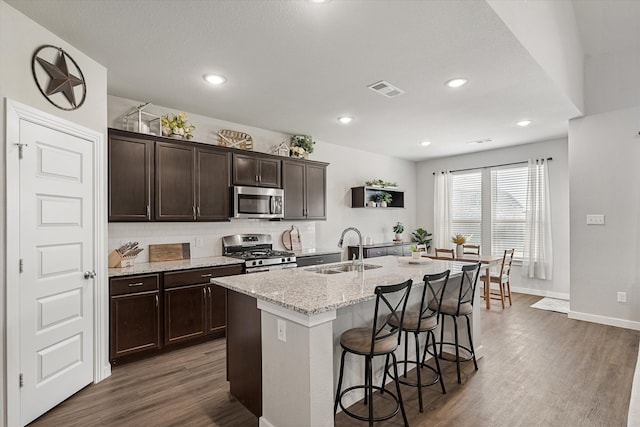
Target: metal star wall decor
[(61, 80)]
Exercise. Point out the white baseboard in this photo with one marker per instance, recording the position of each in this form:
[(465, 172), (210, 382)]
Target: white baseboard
[(540, 292), (611, 321)]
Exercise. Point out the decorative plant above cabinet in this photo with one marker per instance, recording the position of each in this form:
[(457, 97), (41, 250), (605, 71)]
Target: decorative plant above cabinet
[(376, 197), (381, 183)]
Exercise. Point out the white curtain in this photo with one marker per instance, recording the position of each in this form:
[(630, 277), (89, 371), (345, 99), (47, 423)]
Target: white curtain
[(537, 260), (442, 210)]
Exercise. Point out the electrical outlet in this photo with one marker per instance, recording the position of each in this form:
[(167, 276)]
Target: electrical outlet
[(595, 219), (282, 330), (199, 242), (622, 297)]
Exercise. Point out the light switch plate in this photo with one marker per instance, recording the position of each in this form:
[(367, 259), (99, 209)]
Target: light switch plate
[(595, 219)]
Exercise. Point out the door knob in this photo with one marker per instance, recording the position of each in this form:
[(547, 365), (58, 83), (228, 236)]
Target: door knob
[(89, 274)]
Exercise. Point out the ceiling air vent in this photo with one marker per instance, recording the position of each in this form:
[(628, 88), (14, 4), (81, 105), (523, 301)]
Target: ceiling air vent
[(386, 89)]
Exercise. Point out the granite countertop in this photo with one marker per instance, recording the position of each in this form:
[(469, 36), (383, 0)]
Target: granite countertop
[(156, 267), (307, 292)]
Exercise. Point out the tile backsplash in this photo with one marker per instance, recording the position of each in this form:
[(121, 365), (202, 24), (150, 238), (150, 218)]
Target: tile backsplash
[(209, 233)]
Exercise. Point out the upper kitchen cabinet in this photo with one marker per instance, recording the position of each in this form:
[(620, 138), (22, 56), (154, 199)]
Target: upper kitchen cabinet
[(305, 190), (192, 183), (175, 182), (256, 171), (130, 166)]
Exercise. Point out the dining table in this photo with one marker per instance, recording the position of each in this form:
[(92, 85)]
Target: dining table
[(486, 260)]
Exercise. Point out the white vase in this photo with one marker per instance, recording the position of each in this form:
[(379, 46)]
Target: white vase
[(398, 237), (383, 204), (459, 251)]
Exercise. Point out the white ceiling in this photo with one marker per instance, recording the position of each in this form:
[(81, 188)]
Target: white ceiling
[(295, 66)]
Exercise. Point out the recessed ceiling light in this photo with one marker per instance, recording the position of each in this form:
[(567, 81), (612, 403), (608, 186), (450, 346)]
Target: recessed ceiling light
[(345, 119), (215, 79), (457, 82), (425, 143), (318, 1), (524, 123)]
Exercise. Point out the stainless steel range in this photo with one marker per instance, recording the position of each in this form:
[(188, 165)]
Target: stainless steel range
[(257, 252)]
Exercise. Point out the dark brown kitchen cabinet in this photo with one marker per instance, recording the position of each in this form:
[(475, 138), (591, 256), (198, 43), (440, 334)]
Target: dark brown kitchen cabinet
[(192, 183), (175, 182), (257, 171), (194, 307), (305, 190), (134, 315), (130, 175)]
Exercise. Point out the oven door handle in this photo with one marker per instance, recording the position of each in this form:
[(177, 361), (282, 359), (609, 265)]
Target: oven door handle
[(272, 204)]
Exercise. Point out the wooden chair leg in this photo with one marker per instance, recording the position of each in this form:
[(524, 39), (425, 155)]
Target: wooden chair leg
[(509, 291), (501, 294)]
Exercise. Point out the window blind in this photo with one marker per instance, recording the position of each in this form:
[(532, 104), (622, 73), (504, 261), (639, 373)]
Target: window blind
[(466, 205), (508, 204)]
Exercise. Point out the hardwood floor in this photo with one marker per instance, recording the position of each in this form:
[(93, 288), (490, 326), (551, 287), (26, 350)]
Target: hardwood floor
[(540, 369)]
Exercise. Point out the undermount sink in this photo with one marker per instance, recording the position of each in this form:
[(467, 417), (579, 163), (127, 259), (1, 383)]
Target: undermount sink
[(341, 268)]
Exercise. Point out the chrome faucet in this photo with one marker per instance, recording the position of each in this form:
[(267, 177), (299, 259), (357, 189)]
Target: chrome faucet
[(341, 241)]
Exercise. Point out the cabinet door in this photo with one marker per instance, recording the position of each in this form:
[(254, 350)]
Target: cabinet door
[(135, 323), (293, 182), (130, 164), (316, 192), (269, 172), (174, 182), (375, 252), (216, 309), (212, 184), (394, 250), (184, 313), (245, 170)]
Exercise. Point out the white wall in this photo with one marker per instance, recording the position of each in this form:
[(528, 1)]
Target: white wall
[(604, 152), (611, 81), (559, 188), (348, 167), (19, 38)]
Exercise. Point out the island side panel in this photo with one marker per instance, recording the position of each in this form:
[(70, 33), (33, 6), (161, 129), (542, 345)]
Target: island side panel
[(244, 351)]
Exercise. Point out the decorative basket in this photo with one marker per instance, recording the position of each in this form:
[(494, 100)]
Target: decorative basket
[(235, 139)]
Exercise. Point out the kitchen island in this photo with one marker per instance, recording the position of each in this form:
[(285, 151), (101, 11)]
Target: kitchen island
[(303, 311)]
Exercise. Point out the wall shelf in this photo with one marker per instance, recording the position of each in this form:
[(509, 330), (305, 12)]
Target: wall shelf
[(361, 196)]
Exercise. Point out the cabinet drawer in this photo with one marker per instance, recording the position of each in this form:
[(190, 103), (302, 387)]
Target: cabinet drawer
[(133, 284), (375, 252), (394, 250), (198, 275)]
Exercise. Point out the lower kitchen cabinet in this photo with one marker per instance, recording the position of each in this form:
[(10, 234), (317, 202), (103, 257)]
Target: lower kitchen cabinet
[(155, 311), (134, 315), (307, 260), (193, 307), (381, 249)]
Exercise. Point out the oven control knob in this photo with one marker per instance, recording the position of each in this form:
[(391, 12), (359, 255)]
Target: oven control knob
[(283, 260), (289, 259), (254, 263), (260, 262)]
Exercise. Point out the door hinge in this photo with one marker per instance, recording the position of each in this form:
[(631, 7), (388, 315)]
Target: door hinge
[(21, 266), (21, 381), (20, 149)]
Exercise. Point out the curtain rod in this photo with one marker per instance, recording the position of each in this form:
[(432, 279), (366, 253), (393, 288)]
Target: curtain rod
[(493, 166)]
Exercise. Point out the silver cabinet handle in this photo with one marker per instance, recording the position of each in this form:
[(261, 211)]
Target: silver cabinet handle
[(131, 285), (198, 209), (204, 276), (209, 292), (156, 298), (89, 274), (148, 212), (193, 208)]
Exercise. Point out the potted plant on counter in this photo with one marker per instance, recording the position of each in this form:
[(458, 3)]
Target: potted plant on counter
[(398, 229), (459, 240), (422, 237)]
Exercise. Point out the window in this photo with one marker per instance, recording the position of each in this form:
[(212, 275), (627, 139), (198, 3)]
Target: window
[(466, 205), (497, 214), (508, 204)]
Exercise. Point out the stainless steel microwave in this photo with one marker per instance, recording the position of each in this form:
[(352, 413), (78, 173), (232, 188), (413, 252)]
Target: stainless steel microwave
[(258, 202)]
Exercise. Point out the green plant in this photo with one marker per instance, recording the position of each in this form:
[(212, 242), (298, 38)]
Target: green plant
[(383, 197), (380, 183), (414, 248), (398, 228), (422, 237), (303, 141), (177, 125)]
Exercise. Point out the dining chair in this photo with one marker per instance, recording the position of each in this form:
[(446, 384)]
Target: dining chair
[(444, 253), (421, 320), (471, 249), (502, 279), (456, 304), (381, 339)]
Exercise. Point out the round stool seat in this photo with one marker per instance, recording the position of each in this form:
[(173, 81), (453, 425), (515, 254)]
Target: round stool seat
[(358, 340)]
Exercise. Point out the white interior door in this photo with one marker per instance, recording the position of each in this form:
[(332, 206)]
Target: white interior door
[(56, 249)]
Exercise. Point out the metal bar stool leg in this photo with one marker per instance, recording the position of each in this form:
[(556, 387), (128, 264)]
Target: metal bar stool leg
[(418, 366), (395, 371), (473, 351), (433, 344), (455, 324), (335, 406)]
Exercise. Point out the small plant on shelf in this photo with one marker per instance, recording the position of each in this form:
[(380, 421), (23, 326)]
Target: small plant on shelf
[(177, 126), (398, 228), (383, 199), (380, 183), (301, 145)]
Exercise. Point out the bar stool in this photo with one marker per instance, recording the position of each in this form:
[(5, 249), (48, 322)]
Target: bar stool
[(456, 306), (379, 340), (423, 320)]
